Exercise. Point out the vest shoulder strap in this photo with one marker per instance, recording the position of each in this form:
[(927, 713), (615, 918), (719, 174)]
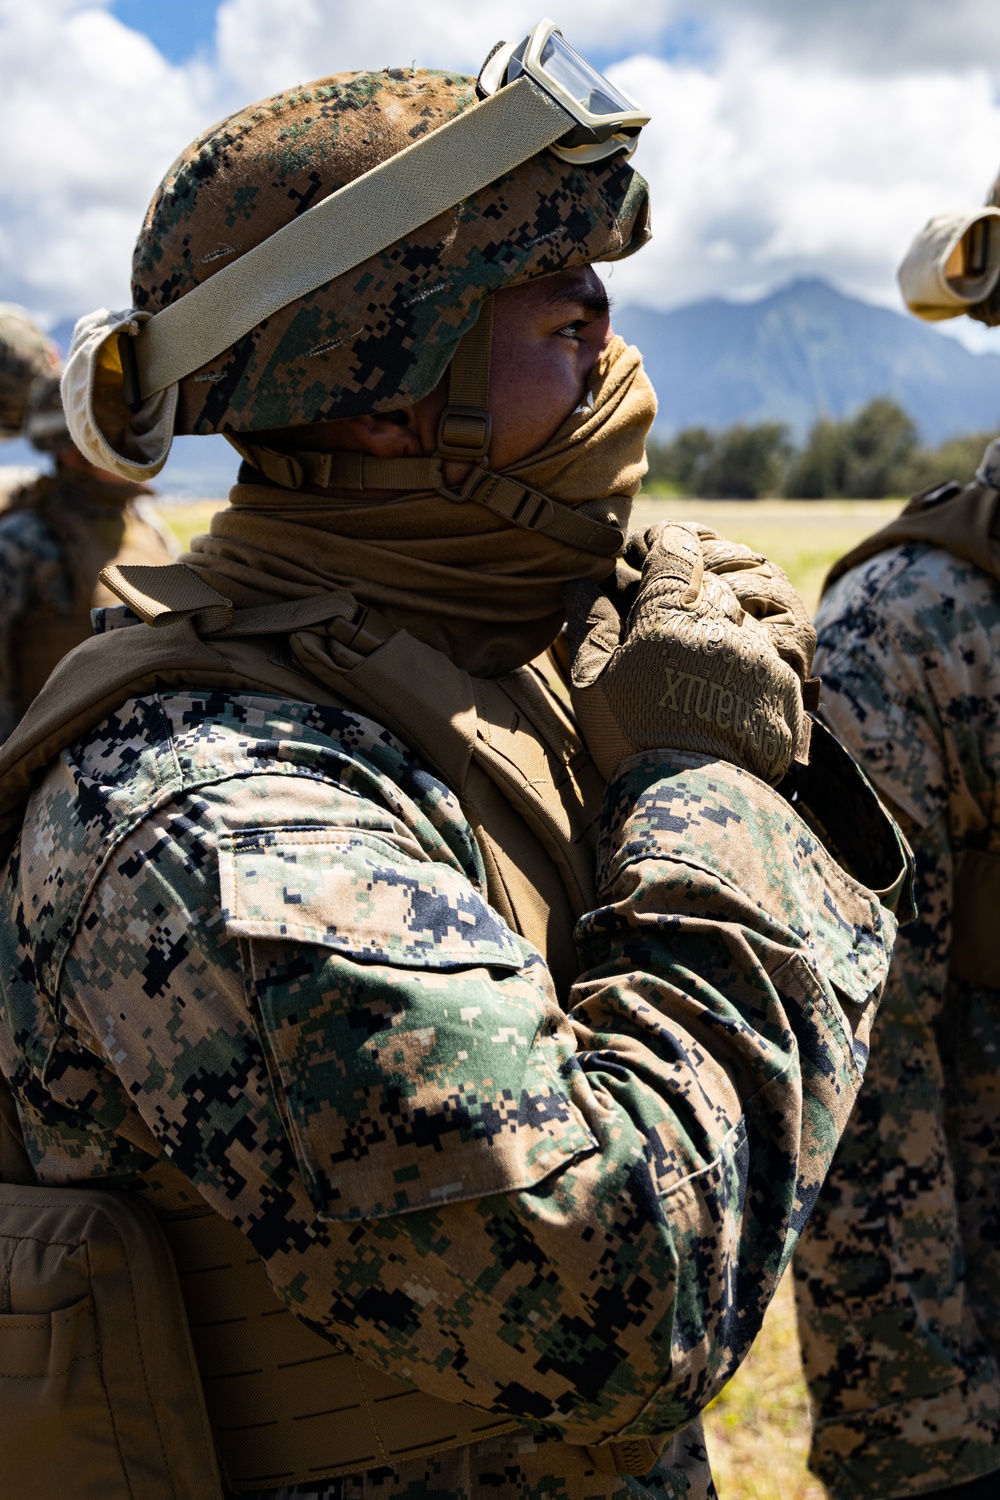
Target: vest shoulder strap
[(192, 637), (964, 520)]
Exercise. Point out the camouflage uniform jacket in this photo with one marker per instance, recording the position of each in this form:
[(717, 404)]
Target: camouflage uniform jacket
[(899, 1272), (261, 925)]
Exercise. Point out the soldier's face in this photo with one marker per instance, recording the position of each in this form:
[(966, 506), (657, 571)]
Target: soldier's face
[(547, 336)]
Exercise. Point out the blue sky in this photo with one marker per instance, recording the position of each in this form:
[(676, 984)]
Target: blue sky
[(181, 29), (178, 28)]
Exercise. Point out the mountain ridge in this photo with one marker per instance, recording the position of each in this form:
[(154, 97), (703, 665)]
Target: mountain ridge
[(804, 351)]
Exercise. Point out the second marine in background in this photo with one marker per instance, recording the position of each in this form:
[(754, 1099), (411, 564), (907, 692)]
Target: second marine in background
[(59, 530), (899, 1268)]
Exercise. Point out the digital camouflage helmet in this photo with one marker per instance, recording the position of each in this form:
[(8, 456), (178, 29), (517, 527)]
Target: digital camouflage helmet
[(230, 266)]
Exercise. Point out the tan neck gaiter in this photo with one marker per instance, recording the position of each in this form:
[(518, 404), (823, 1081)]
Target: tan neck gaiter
[(485, 592)]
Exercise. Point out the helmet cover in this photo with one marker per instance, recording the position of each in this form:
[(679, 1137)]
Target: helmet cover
[(44, 418), (380, 336), (25, 354)]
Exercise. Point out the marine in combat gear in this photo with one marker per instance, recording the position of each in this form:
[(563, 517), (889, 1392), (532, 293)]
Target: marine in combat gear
[(898, 1272), (462, 1041), (58, 531)]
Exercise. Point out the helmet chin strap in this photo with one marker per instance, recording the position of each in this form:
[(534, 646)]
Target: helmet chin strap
[(463, 436)]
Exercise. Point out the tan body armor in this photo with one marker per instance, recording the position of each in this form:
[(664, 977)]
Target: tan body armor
[(966, 523), (284, 1404)]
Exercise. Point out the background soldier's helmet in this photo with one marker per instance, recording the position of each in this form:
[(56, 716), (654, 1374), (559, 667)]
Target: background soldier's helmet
[(381, 335), (953, 265), (44, 418), (25, 354)]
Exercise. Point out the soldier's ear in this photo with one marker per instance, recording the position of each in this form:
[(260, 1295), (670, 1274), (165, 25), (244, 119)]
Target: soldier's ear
[(394, 434)]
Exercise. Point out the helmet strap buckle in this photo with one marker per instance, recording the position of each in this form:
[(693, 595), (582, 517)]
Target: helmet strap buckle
[(464, 433)]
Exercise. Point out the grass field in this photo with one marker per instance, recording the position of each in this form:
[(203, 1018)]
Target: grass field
[(188, 520), (804, 536), (758, 1427)]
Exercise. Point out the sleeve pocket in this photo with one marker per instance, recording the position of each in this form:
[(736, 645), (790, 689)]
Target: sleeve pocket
[(418, 1051), (357, 897)]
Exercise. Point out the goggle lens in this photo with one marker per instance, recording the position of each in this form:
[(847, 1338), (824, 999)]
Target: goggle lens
[(580, 80)]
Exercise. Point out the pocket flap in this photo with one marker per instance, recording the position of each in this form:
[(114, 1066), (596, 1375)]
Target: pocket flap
[(326, 887), (421, 1053)]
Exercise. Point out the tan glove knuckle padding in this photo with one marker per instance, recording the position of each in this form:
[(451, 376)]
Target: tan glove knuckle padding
[(712, 644), (765, 591)]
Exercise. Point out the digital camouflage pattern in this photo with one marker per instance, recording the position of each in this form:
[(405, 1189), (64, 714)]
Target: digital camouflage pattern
[(55, 537), (32, 572), (898, 1274), (577, 1217), (381, 335)]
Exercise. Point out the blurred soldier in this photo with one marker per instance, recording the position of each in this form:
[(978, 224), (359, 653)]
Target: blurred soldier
[(477, 1060), (25, 354), (59, 531), (898, 1274)]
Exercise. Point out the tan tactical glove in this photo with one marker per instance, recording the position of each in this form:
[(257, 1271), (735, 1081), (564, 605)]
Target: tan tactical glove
[(765, 592), (664, 656)]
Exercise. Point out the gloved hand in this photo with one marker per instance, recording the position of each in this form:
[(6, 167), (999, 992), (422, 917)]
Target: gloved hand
[(765, 591), (664, 656)]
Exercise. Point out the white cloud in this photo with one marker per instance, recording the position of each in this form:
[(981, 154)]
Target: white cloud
[(90, 116), (805, 139), (265, 49), (765, 168), (879, 36)]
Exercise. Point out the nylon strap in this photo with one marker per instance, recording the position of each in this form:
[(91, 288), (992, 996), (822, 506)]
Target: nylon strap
[(463, 434), (465, 425), (489, 139), (469, 371), (517, 503), (525, 507)]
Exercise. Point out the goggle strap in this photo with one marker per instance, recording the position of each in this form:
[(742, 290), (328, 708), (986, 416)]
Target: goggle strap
[(487, 140)]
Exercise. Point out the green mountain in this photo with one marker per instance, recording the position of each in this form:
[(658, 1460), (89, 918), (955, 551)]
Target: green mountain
[(808, 350)]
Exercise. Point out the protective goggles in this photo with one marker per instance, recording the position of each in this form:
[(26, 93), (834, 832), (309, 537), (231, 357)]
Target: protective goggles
[(953, 264), (607, 120), (534, 96)]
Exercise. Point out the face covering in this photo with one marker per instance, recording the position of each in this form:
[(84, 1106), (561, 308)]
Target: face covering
[(487, 593)]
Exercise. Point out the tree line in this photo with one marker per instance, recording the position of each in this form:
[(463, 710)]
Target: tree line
[(875, 453)]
